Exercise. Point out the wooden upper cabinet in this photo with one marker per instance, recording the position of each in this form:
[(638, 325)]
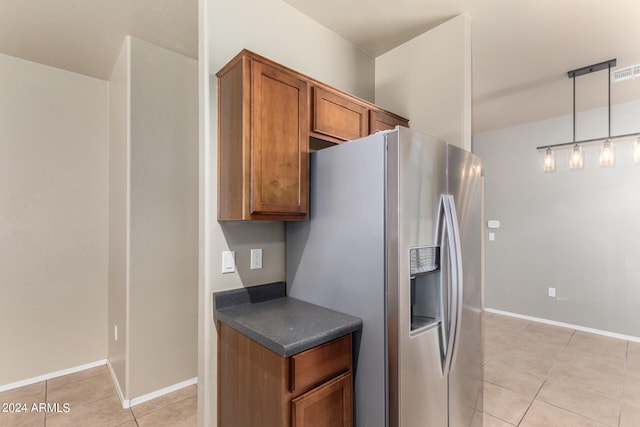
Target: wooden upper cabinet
[(338, 117), (279, 152), (383, 120), (263, 139), (266, 116)]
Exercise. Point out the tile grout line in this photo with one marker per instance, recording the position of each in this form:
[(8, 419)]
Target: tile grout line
[(555, 360), (46, 399), (158, 409), (624, 383), (135, 419), (565, 409), (502, 386)]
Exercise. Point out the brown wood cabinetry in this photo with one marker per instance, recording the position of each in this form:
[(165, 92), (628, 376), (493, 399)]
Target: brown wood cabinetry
[(263, 139), (383, 120), (328, 405), (338, 117), (266, 115), (259, 387)]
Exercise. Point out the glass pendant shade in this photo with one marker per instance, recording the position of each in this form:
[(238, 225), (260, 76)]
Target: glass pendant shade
[(549, 161), (636, 151), (607, 154), (576, 161)]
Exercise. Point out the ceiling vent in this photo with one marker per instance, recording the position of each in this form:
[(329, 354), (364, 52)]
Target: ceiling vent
[(628, 73)]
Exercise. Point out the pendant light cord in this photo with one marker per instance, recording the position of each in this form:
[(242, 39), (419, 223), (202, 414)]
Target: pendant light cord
[(574, 109), (609, 102)]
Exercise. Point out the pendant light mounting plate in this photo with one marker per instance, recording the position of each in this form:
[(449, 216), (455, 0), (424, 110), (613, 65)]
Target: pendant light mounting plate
[(591, 68)]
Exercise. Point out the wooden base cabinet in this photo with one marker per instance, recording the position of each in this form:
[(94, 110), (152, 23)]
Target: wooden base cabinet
[(326, 405), (257, 387)]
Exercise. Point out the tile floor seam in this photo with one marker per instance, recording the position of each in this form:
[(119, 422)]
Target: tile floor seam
[(135, 420), (157, 409), (576, 413), (497, 417), (534, 398), (503, 386), (555, 360), (624, 383), (46, 399)]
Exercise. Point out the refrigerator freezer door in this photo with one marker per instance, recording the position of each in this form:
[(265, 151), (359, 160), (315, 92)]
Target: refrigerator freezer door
[(465, 380), (416, 178), (337, 259)]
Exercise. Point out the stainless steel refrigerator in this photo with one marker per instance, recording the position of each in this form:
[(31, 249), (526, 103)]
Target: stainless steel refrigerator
[(394, 238)]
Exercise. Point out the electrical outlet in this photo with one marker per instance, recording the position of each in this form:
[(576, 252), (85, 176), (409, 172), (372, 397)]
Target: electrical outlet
[(256, 259), (115, 332), (552, 292)]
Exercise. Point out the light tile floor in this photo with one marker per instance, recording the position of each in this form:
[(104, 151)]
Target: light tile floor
[(92, 401), (537, 375)]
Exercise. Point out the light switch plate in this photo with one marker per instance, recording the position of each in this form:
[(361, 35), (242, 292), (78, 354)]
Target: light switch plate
[(492, 237), (228, 261)]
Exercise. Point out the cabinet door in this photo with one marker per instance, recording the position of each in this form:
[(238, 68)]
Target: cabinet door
[(379, 120), (329, 405), (279, 142), (338, 116)]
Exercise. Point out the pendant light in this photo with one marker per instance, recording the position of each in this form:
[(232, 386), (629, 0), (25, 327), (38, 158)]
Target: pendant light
[(607, 154), (607, 150), (576, 161), (549, 161)]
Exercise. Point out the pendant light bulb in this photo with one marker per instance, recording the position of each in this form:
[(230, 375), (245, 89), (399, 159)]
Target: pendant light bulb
[(607, 154), (549, 161), (576, 161), (636, 151)]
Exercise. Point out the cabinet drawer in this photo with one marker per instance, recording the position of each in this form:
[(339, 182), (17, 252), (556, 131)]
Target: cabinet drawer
[(320, 363), (329, 405)]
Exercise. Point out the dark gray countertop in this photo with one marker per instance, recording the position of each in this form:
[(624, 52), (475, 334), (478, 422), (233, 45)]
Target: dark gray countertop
[(284, 325)]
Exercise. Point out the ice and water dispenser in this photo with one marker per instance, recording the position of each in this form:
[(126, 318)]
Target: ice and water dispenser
[(426, 288)]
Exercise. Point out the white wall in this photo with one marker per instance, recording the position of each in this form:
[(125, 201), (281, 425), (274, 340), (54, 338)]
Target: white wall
[(119, 214), (575, 231), (273, 29), (53, 219), (428, 80), (155, 209), (163, 287)]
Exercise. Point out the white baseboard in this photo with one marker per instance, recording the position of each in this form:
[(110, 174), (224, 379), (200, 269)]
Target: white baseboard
[(52, 375), (565, 325), (163, 391), (128, 403), (125, 402)]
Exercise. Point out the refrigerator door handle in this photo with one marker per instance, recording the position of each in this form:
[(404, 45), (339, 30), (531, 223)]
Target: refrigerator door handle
[(453, 256), (457, 284)]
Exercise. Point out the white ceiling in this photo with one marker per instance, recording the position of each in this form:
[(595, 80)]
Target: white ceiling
[(85, 36), (521, 49)]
